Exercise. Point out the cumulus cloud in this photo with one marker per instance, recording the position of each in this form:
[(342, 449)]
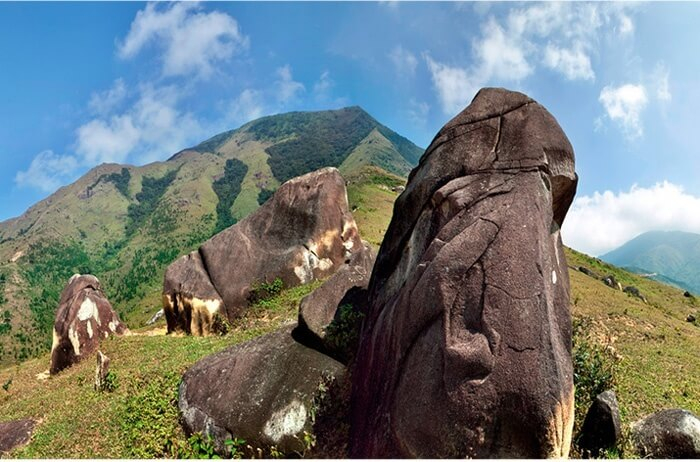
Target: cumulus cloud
[(404, 61), (287, 88), (623, 105), (249, 105), (193, 42), (48, 171), (604, 221), (510, 49), (107, 101)]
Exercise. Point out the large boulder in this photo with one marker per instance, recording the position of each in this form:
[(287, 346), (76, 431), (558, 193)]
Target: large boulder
[(667, 434), (262, 391), (318, 309), (304, 232), (466, 348), (14, 434), (84, 317), (601, 428), (190, 301)]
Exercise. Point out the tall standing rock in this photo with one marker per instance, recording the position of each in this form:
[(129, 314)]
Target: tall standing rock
[(466, 349), (83, 318), (304, 232)]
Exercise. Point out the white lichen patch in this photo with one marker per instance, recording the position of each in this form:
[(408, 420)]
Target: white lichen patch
[(325, 264), (88, 310), (55, 341), (74, 340), (112, 326), (691, 427), (554, 277), (288, 421), (89, 328), (305, 271)]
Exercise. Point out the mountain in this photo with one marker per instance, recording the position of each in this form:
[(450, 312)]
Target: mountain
[(671, 256), (125, 224)]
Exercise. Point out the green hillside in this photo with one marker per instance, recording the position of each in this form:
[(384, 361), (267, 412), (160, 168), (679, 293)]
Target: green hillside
[(125, 224), (674, 257)]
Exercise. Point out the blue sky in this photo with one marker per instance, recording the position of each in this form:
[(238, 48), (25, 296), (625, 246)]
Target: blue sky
[(86, 83)]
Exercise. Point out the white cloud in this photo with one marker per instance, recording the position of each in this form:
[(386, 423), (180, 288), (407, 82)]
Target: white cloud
[(455, 86), (287, 88), (509, 49), (502, 55), (602, 222), (623, 105), (404, 61), (246, 107), (574, 63), (48, 171), (323, 87), (626, 26), (107, 101), (660, 83), (193, 42)]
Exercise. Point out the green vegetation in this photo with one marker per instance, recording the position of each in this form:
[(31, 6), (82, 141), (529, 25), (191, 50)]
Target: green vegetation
[(151, 191), (264, 195), (120, 181), (227, 188), (262, 292), (343, 333), (307, 141)]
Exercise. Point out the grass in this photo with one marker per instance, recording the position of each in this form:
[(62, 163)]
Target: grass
[(139, 419)]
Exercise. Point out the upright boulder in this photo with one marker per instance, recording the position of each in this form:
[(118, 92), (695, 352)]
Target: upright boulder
[(667, 434), (83, 318), (262, 391), (601, 428), (466, 348), (304, 232)]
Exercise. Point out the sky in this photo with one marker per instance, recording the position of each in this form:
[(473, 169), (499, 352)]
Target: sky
[(84, 83)]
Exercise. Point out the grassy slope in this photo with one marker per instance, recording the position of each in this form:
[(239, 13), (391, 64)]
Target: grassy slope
[(658, 350)]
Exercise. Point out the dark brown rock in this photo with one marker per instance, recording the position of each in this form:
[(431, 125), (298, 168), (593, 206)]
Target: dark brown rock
[(84, 317), (15, 433), (667, 434), (190, 301), (304, 232), (690, 318), (601, 428), (611, 282), (318, 309), (587, 272), (466, 349), (633, 291), (262, 391)]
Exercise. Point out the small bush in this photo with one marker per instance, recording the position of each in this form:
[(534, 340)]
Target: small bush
[(263, 291), (343, 333)]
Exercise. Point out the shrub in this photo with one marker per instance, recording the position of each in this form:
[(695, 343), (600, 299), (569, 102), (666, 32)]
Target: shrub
[(264, 291), (343, 333)]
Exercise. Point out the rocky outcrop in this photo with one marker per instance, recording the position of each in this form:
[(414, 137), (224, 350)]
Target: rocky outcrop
[(304, 232), (318, 309), (15, 433), (262, 391), (611, 282), (601, 428), (667, 434), (634, 292), (466, 348), (84, 317)]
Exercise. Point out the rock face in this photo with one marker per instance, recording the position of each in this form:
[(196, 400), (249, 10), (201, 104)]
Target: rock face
[(667, 434), (466, 349), (318, 309), (601, 428), (304, 232), (15, 433), (261, 391), (84, 317)]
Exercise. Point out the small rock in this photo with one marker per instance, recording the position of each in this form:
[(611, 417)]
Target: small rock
[(156, 317), (601, 428), (586, 271), (15, 433), (633, 291), (690, 318), (667, 434), (687, 294), (101, 372), (610, 281)]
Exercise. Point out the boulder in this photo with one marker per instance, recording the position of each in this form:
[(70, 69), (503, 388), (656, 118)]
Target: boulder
[(690, 318), (601, 428), (262, 391), (156, 317), (101, 372), (633, 291), (190, 301), (466, 348), (610, 281), (318, 309), (304, 232), (15, 433), (667, 434), (587, 272), (84, 317), (687, 294)]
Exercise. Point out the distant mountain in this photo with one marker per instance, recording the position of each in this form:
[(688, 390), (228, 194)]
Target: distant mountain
[(125, 224), (672, 257)]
